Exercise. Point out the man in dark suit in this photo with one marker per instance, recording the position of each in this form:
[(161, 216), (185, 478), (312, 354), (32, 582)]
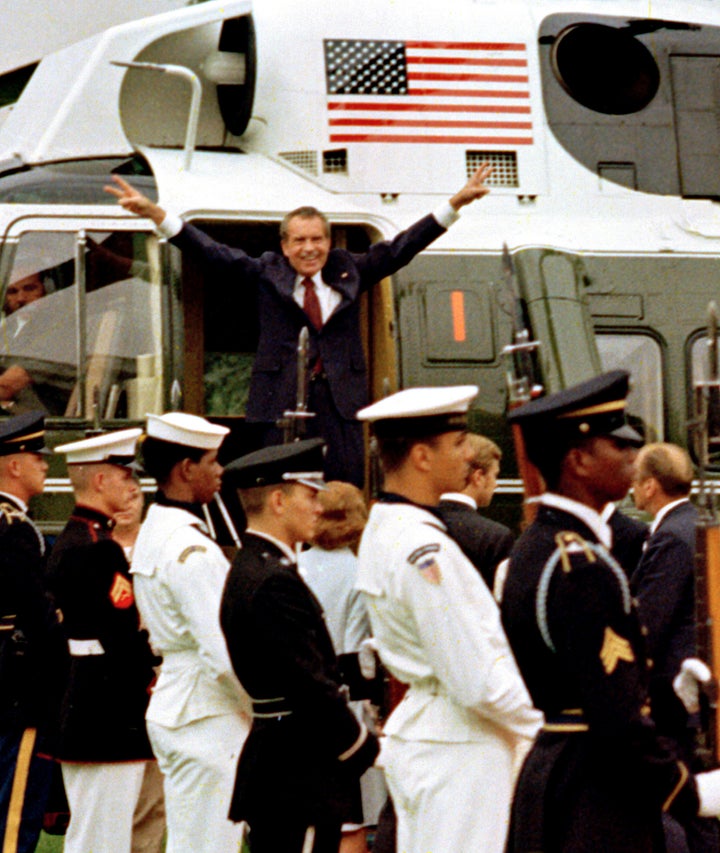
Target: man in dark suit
[(664, 586), (663, 580), (306, 748), (629, 536), (484, 542), (33, 648), (312, 285)]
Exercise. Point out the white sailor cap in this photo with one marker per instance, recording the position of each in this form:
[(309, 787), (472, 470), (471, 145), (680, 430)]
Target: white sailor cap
[(112, 448), (420, 411), (188, 430)]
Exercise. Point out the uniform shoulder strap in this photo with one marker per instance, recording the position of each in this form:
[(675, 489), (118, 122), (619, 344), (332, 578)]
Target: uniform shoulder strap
[(569, 543)]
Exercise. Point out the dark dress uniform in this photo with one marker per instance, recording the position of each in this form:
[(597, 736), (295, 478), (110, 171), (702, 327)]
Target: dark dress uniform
[(33, 666), (103, 714), (291, 772), (598, 776), (629, 536)]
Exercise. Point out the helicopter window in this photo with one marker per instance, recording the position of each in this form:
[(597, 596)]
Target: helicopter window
[(72, 342), (605, 69), (699, 363), (642, 357), (700, 370)]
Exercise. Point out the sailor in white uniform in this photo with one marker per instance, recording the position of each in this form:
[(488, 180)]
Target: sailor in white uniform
[(198, 716), (452, 743)]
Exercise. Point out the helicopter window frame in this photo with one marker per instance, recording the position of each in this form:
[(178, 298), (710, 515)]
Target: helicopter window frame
[(646, 367), (147, 260)]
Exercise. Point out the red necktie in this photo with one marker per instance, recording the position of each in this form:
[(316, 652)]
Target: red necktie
[(311, 303)]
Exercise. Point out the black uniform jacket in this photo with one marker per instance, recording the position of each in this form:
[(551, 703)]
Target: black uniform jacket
[(484, 542), (103, 714), (629, 537), (274, 375), (33, 647), (283, 655), (599, 775)]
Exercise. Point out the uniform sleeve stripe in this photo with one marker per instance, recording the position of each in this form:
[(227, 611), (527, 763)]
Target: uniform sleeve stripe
[(361, 738), (19, 785), (684, 773)]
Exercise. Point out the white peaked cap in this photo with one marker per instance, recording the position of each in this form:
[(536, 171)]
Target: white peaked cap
[(421, 403), (115, 448), (188, 430)]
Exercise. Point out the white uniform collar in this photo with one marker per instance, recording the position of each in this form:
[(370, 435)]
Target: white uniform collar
[(460, 498), (16, 500), (286, 549), (587, 515)]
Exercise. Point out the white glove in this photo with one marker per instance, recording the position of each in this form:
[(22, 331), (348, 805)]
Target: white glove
[(708, 785), (686, 684), (366, 658)]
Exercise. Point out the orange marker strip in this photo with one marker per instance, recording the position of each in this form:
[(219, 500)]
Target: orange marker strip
[(457, 305)]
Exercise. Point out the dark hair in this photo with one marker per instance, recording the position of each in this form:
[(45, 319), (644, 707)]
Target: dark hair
[(159, 457), (254, 500), (393, 451), (305, 212)]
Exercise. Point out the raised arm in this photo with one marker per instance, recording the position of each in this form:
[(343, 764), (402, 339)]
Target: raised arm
[(134, 201), (475, 188)]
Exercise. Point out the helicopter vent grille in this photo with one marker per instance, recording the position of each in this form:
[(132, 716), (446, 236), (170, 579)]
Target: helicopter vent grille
[(335, 161), (504, 164), (305, 160)]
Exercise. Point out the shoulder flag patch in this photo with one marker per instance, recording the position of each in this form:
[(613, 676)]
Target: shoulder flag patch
[(430, 569), (190, 550), (121, 592), (614, 649), (422, 558)]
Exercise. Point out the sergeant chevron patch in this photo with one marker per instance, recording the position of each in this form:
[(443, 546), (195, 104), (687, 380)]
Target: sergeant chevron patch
[(614, 649), (121, 593)]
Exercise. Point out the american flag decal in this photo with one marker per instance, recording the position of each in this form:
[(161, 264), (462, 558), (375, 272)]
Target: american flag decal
[(469, 93)]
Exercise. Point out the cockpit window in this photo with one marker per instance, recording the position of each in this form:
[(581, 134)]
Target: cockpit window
[(69, 343), (71, 182)]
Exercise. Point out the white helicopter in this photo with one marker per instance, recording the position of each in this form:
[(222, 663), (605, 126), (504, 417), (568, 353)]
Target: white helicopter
[(599, 118)]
